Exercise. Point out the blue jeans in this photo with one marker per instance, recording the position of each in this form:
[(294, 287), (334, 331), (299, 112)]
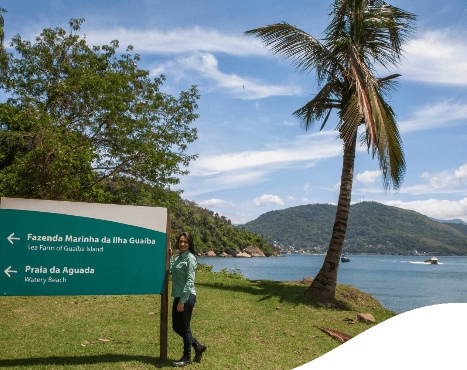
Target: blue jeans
[(181, 323)]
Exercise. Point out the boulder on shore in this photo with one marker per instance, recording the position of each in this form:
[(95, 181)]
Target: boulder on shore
[(254, 251), (223, 254), (232, 252), (243, 255), (305, 281), (210, 254)]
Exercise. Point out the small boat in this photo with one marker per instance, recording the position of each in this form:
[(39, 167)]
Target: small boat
[(344, 258), (432, 260)]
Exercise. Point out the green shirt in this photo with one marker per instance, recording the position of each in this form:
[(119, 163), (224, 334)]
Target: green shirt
[(183, 270)]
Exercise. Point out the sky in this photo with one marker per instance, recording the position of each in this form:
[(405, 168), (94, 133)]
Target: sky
[(253, 155)]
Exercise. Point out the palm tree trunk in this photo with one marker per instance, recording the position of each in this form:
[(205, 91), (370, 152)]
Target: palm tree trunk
[(323, 287)]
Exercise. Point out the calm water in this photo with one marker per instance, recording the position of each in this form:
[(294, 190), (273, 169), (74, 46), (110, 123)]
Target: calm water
[(400, 283)]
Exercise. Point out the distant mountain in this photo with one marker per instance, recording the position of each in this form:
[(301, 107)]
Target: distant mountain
[(455, 221), (373, 228)]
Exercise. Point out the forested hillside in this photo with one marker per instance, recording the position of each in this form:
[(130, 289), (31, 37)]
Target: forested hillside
[(373, 228), (459, 227), (210, 231)]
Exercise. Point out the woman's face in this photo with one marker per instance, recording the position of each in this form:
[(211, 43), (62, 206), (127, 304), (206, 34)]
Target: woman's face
[(183, 244)]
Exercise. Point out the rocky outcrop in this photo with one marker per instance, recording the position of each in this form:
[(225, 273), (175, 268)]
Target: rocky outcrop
[(210, 254), (243, 255), (254, 251), (223, 254), (365, 317), (277, 252), (232, 252)]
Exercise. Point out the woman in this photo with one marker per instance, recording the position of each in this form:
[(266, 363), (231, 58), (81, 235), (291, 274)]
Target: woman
[(183, 270)]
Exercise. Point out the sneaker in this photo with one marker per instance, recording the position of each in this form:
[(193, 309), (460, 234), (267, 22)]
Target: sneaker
[(199, 352), (182, 362)]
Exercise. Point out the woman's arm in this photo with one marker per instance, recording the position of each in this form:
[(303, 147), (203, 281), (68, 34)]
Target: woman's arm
[(190, 279), (171, 261)]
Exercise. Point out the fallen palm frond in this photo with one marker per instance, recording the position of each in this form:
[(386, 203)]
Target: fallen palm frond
[(341, 337)]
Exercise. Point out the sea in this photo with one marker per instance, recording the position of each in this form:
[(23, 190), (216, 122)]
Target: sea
[(400, 283)]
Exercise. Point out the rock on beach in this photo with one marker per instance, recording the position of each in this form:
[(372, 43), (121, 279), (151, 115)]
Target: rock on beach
[(243, 255), (254, 251), (223, 254)]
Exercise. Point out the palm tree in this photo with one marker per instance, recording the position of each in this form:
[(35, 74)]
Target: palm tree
[(362, 35)]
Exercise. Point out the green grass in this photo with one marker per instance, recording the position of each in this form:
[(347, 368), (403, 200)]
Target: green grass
[(246, 325)]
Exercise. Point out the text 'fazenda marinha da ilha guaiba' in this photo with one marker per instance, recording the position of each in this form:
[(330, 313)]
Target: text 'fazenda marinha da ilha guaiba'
[(90, 239)]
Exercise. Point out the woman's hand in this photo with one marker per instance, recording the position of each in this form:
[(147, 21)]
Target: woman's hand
[(170, 249), (180, 306)]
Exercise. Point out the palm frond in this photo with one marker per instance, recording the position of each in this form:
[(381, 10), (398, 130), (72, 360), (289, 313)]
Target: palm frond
[(320, 105), (386, 29), (350, 119), (357, 72), (389, 149), (377, 29), (306, 52), (387, 85), (386, 142), (338, 22)]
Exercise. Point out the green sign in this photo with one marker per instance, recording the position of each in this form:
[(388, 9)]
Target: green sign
[(44, 253)]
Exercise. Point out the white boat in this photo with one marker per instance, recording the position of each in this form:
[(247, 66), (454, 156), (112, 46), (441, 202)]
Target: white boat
[(344, 258), (432, 260)]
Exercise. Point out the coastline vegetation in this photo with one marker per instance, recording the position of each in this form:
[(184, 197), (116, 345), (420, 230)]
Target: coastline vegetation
[(122, 332)]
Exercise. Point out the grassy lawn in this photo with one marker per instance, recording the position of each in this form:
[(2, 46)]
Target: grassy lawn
[(246, 325)]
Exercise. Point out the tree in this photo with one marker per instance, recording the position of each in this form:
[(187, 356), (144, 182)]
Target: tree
[(361, 36), (79, 116), (2, 23)]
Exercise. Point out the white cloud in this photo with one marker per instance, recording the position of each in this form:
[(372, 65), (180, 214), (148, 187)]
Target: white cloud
[(268, 199), (216, 203), (302, 149), (443, 182), (289, 123), (367, 177), (430, 116), (304, 200), (436, 57), (207, 65), (437, 208), (178, 40), (223, 181), (307, 189), (290, 198), (448, 181)]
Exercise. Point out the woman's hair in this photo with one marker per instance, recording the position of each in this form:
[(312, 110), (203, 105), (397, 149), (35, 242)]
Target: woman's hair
[(190, 242)]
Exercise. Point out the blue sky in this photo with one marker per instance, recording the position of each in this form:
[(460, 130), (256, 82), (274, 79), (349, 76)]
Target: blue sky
[(253, 155)]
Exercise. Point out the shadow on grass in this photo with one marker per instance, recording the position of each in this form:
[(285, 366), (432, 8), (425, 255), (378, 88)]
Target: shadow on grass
[(286, 292), (85, 360)]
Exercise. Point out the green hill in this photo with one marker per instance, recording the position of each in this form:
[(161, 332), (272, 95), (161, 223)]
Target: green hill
[(373, 228), (211, 231), (459, 227)]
